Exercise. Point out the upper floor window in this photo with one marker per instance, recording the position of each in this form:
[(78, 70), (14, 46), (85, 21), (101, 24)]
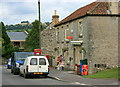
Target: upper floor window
[(81, 29), (66, 33), (57, 36)]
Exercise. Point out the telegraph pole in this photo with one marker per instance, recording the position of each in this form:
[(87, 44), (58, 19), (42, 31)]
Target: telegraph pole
[(39, 24)]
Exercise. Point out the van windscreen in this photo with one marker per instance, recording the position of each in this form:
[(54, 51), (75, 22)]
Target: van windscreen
[(42, 61), (33, 61)]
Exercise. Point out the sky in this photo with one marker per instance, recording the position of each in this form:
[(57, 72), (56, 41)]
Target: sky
[(15, 11)]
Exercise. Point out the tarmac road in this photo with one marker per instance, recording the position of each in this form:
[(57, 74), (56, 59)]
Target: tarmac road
[(12, 80), (9, 79)]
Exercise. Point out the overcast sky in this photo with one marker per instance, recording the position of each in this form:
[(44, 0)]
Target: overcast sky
[(15, 11)]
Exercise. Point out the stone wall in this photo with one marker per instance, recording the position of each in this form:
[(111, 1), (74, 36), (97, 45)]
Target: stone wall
[(70, 52), (48, 42), (119, 41), (101, 41)]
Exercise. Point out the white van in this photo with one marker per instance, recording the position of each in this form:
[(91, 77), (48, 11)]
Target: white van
[(35, 65)]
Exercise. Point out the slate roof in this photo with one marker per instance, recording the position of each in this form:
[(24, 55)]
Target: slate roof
[(93, 8), (17, 36)]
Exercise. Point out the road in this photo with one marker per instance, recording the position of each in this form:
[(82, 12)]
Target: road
[(10, 79)]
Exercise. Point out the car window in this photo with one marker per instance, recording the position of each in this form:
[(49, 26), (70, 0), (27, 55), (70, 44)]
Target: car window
[(42, 61), (33, 61)]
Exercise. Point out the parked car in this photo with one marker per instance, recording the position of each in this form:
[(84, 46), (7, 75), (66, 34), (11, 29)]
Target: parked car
[(35, 66), (15, 69), (9, 63), (17, 60)]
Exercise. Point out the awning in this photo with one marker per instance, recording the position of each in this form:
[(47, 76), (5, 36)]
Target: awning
[(76, 43)]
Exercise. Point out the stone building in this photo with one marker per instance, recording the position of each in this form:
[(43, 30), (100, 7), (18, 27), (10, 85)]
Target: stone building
[(48, 39), (24, 23), (94, 32)]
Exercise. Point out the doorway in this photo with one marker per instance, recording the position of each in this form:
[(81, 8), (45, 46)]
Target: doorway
[(74, 57)]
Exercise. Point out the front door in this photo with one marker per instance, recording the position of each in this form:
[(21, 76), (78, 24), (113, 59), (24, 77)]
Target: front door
[(74, 57)]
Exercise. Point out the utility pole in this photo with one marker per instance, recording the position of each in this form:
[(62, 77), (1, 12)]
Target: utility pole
[(39, 24)]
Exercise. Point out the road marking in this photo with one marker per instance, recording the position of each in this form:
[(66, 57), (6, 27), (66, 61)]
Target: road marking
[(57, 78), (78, 83)]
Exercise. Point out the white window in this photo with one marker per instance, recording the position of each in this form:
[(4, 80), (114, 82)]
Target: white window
[(42, 61), (66, 34), (81, 29), (57, 35), (33, 61)]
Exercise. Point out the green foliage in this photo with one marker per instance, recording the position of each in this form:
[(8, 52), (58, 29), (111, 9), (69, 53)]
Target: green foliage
[(108, 73), (32, 41), (18, 27), (7, 46), (19, 30), (47, 23)]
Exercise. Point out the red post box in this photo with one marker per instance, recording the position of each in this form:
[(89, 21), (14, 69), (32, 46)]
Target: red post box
[(37, 52), (84, 69)]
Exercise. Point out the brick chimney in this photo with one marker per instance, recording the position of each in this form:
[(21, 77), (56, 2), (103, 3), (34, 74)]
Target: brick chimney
[(55, 18), (114, 7)]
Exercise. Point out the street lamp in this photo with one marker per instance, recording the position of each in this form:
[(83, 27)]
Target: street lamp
[(39, 24)]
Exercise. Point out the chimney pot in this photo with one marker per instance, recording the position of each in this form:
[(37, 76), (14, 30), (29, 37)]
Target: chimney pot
[(54, 12)]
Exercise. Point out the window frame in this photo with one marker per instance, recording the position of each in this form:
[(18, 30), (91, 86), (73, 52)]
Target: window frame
[(36, 61), (42, 61)]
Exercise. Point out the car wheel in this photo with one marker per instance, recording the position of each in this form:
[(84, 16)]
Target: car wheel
[(20, 74), (14, 72), (11, 71)]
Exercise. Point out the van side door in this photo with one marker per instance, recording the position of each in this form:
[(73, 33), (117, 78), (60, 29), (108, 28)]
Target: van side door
[(43, 65)]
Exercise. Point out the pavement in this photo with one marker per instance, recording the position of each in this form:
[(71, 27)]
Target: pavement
[(70, 76)]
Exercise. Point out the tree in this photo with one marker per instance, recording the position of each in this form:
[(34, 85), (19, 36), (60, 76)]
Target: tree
[(32, 41), (7, 46)]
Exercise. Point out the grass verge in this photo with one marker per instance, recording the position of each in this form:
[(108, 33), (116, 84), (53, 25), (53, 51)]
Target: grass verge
[(108, 73)]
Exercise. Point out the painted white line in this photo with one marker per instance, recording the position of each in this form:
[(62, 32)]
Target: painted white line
[(78, 83), (57, 78)]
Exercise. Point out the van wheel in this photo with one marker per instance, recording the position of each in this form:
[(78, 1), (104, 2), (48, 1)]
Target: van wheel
[(25, 75), (46, 75)]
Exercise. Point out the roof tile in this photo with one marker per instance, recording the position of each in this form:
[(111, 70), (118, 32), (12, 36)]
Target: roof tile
[(17, 35), (93, 8)]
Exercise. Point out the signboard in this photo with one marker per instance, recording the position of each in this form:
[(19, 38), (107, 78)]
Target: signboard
[(69, 37), (76, 42), (84, 69)]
